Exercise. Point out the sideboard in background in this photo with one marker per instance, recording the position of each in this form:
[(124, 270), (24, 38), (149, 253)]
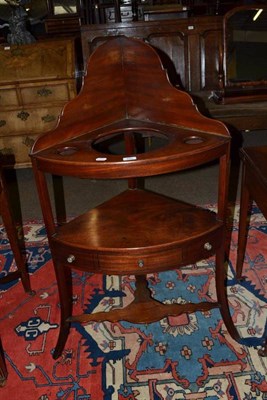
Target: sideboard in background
[(192, 44), (191, 49)]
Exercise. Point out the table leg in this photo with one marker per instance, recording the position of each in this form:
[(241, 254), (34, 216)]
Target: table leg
[(245, 202), (12, 235), (263, 351), (3, 369), (64, 281)]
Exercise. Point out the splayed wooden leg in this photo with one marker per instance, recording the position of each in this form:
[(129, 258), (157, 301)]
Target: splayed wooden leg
[(63, 276)]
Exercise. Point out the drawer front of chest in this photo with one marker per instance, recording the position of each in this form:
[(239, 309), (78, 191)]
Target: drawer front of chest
[(19, 147), (28, 120), (47, 93), (43, 59), (19, 128), (38, 94), (8, 97)]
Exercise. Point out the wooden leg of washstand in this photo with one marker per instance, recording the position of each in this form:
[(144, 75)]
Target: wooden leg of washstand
[(60, 206), (3, 369), (64, 282), (220, 278), (263, 351), (245, 203)]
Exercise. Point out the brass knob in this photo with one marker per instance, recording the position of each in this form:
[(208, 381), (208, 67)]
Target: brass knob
[(141, 263), (207, 246), (70, 258)]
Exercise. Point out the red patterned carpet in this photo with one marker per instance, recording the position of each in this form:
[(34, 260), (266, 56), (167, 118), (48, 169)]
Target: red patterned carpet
[(188, 357)]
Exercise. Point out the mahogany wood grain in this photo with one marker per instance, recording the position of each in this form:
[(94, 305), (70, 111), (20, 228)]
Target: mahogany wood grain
[(253, 187), (127, 94)]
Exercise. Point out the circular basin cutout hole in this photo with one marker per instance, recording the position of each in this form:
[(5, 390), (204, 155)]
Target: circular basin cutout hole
[(193, 140), (135, 141), (67, 151)]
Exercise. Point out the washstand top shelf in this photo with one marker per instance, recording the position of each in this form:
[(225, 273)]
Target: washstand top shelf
[(126, 92)]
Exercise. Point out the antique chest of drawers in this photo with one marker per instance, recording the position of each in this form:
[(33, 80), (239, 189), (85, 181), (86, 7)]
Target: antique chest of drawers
[(36, 81)]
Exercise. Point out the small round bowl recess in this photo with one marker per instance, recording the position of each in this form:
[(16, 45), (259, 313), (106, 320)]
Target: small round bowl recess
[(67, 151), (193, 140)]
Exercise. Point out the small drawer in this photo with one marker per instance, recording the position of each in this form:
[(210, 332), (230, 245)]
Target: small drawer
[(138, 261), (117, 264), (141, 263), (46, 93)]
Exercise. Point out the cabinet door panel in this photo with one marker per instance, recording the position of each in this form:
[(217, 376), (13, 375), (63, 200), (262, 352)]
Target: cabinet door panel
[(191, 45), (210, 44), (171, 44)]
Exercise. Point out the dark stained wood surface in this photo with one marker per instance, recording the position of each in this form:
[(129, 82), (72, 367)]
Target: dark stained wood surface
[(138, 232), (126, 93), (192, 45), (253, 188)]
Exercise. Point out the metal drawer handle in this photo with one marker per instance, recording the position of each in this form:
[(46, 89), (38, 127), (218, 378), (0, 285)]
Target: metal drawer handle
[(44, 92), (70, 258), (23, 115), (207, 246)]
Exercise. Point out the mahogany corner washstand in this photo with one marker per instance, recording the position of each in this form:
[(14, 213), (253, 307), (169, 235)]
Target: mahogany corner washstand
[(126, 93), (253, 187), (12, 234)]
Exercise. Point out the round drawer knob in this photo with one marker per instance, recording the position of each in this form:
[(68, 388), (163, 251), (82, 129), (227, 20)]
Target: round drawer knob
[(207, 246), (141, 263), (70, 258)]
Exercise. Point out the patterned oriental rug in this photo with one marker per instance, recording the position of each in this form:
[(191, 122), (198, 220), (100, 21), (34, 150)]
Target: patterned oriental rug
[(186, 357)]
